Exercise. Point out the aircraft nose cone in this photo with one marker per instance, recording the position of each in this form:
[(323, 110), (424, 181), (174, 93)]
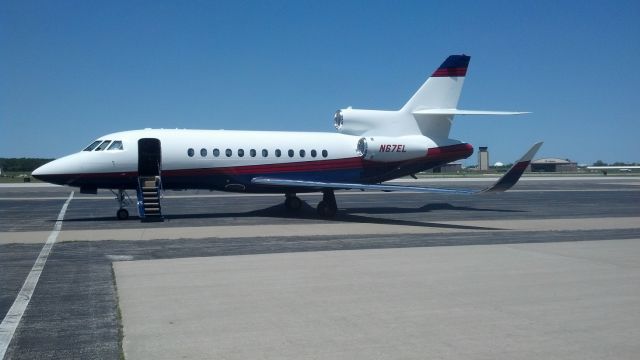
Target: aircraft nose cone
[(40, 172), (47, 173)]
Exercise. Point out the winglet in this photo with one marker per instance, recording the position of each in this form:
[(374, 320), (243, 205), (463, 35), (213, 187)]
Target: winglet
[(513, 175)]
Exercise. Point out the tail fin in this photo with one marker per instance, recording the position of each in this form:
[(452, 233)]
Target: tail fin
[(442, 89)]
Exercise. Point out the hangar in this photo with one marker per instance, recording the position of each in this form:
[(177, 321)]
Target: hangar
[(553, 165)]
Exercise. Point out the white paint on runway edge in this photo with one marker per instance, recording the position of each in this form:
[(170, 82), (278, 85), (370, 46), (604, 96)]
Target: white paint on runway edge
[(14, 315)]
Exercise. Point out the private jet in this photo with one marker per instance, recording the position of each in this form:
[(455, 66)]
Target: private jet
[(369, 148)]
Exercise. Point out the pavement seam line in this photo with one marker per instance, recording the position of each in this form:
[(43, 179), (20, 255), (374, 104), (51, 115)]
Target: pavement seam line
[(14, 315)]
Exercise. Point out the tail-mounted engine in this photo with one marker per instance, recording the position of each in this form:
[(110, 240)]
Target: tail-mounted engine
[(391, 149), (357, 122)]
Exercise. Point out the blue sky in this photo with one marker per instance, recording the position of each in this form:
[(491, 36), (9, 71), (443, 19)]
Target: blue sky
[(71, 71)]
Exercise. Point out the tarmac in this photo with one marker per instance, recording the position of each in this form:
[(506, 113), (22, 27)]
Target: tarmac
[(548, 270)]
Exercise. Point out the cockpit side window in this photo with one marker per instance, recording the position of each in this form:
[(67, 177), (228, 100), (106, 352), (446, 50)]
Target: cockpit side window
[(103, 145), (116, 145), (92, 146)]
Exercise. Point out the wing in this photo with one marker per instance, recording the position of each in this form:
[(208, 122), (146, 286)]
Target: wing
[(509, 179)]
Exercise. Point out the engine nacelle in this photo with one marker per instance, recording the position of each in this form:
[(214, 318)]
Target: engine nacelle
[(357, 122), (391, 149)]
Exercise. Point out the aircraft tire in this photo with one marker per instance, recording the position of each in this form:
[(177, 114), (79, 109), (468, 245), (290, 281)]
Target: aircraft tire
[(293, 203), (325, 210), (122, 214)]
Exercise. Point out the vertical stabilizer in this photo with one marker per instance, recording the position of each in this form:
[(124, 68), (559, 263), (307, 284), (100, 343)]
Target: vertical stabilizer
[(440, 91)]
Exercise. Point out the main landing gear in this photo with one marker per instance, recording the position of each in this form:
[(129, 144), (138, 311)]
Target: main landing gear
[(292, 202), (123, 200), (327, 208)]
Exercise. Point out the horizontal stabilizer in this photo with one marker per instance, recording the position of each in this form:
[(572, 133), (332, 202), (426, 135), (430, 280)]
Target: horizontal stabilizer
[(465, 112), (504, 183)]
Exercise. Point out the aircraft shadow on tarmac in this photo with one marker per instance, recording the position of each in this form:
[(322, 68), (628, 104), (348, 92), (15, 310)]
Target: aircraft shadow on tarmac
[(344, 215), (423, 209)]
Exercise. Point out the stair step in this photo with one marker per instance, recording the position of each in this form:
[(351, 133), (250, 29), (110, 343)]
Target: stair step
[(150, 197)]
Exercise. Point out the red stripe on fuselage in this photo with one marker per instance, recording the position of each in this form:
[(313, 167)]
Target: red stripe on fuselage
[(303, 166)]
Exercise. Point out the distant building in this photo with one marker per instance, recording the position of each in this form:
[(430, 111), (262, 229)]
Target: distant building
[(447, 168), (553, 165)]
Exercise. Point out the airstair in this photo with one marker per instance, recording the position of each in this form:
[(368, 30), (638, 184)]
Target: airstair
[(149, 194)]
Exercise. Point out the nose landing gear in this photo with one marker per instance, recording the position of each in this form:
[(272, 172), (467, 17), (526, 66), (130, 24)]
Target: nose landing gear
[(123, 200)]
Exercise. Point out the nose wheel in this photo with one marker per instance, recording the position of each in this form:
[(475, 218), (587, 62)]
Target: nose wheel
[(122, 214), (123, 200)]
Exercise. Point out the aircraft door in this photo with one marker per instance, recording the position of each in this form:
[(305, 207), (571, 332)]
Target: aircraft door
[(149, 157)]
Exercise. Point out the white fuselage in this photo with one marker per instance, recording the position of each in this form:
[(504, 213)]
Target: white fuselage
[(216, 158)]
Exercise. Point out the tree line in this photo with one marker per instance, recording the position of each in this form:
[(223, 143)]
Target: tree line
[(21, 164)]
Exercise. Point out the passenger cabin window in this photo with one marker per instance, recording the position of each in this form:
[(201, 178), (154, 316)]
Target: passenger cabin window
[(216, 152), (290, 152), (203, 152), (252, 152), (228, 152), (103, 145), (93, 145), (190, 152), (314, 153), (302, 153), (240, 152), (325, 153), (116, 145), (265, 153), (278, 153)]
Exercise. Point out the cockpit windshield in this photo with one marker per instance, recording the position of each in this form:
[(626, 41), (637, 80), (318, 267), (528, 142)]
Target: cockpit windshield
[(103, 145), (100, 145), (93, 145), (116, 145)]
